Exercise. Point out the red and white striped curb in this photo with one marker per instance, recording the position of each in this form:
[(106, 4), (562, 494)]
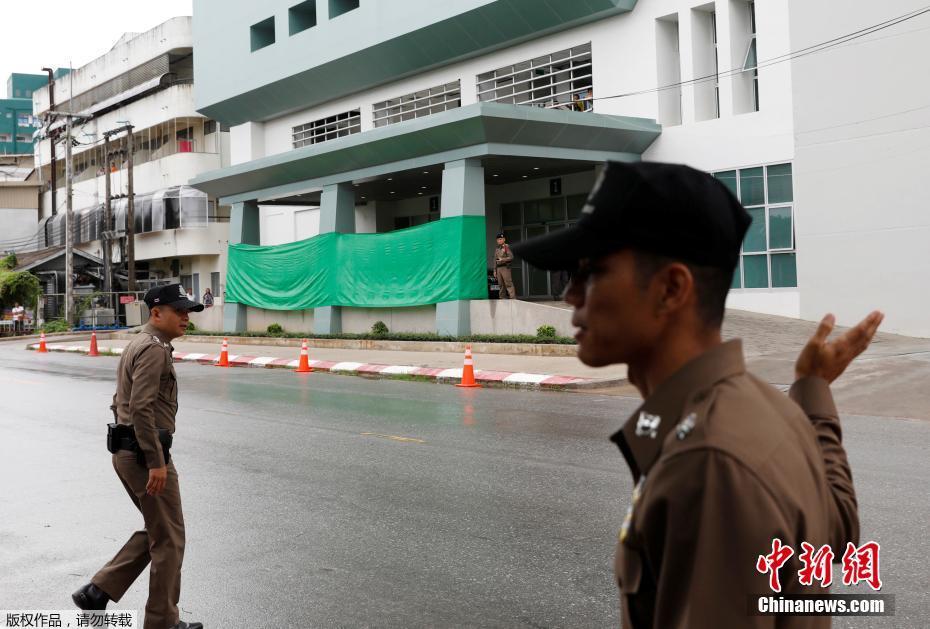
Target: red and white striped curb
[(432, 373)]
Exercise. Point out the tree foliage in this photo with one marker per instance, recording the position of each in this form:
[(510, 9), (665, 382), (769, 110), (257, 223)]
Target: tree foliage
[(19, 287)]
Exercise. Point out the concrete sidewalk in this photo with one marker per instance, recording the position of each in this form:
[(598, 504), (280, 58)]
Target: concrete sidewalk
[(503, 369)]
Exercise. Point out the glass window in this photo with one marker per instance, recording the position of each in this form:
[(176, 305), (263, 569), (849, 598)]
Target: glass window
[(784, 270), (780, 231), (531, 212), (752, 186), (510, 214), (755, 235), (193, 205), (756, 271), (737, 282), (575, 203), (562, 80), (779, 180), (728, 178), (552, 209), (172, 209)]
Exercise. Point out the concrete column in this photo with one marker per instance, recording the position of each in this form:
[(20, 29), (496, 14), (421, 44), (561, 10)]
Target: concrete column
[(462, 195), (243, 228), (337, 214)]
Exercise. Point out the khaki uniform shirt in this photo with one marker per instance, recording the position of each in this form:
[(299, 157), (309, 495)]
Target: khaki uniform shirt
[(723, 464), (503, 256), (147, 391)]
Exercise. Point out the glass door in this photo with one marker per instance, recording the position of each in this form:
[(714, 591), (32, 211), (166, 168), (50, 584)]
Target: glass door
[(537, 280)]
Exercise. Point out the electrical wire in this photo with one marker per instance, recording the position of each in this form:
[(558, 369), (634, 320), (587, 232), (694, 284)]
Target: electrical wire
[(796, 54)]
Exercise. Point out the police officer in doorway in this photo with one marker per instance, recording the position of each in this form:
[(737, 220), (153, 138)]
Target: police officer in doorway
[(145, 406), (503, 258), (722, 463)]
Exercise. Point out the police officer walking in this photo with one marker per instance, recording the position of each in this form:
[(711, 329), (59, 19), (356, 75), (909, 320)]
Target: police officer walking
[(723, 463), (503, 258), (145, 406)]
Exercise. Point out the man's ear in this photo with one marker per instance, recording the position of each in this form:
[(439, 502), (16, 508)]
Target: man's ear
[(676, 287)]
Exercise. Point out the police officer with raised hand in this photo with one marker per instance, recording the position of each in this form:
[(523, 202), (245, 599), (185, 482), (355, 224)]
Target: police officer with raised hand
[(722, 462), (145, 406)]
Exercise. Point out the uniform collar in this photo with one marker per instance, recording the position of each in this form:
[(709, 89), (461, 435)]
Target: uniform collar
[(151, 330), (640, 440)]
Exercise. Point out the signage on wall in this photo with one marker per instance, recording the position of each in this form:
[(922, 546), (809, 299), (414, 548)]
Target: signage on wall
[(555, 187), (434, 204), (127, 299)]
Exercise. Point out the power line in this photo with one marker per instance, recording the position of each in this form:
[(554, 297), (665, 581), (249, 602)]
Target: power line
[(803, 52)]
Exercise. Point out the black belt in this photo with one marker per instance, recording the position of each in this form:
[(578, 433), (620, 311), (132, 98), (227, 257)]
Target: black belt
[(123, 437)]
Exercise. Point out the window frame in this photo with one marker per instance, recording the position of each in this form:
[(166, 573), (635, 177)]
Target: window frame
[(524, 91), (317, 131), (767, 207)]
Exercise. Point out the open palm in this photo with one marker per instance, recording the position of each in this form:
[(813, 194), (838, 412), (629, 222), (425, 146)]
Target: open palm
[(829, 359)]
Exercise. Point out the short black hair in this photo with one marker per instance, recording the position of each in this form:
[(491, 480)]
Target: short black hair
[(711, 284)]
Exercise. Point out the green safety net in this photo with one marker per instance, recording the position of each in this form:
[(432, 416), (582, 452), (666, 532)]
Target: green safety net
[(440, 261)]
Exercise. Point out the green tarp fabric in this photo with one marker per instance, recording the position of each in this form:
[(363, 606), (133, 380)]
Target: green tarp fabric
[(440, 261)]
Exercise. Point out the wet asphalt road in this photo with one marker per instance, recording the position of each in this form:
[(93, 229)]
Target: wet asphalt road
[(337, 501)]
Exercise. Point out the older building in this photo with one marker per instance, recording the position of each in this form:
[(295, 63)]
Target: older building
[(146, 80)]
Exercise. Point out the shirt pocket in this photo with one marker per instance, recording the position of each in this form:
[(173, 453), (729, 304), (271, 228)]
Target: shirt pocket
[(168, 391)]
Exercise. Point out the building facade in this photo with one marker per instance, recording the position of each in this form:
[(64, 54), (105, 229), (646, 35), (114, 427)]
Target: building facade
[(17, 123), (145, 80), (375, 118)]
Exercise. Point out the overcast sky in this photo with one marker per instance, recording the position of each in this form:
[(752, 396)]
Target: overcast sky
[(56, 33)]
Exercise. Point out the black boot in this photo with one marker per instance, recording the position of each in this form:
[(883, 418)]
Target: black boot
[(90, 597), (186, 625)]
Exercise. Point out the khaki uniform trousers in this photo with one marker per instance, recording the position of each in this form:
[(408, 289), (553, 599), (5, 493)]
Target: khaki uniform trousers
[(504, 280), (161, 542)]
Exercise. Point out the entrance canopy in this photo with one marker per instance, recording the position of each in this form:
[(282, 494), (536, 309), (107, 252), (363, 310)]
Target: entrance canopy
[(498, 134)]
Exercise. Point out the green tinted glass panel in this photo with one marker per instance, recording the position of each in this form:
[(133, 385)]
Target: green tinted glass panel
[(755, 235), (752, 186), (780, 190), (751, 56), (510, 214), (736, 283), (575, 203), (552, 209), (784, 271), (531, 212), (756, 271), (729, 180), (780, 228)]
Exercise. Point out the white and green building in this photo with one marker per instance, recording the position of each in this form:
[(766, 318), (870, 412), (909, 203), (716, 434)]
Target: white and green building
[(377, 146)]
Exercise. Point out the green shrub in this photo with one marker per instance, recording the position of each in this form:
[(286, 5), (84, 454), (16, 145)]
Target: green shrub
[(545, 332), (408, 336), (191, 327), (378, 328), (58, 325), (275, 329)]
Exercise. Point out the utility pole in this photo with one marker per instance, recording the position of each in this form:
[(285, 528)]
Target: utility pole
[(69, 232), (107, 222), (54, 165), (130, 232), (131, 217)]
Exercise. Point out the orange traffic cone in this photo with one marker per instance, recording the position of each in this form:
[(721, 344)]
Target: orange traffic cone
[(304, 365), (42, 349), (468, 372), (93, 344), (224, 354)]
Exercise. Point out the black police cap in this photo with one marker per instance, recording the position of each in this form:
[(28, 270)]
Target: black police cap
[(665, 209), (501, 235), (172, 295)]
